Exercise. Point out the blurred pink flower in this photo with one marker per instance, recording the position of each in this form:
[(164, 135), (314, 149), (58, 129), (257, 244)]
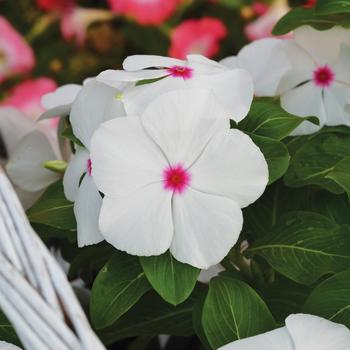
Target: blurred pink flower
[(259, 8), (16, 56), (197, 36), (75, 22), (55, 5), (262, 27), (26, 97), (310, 3), (145, 12)]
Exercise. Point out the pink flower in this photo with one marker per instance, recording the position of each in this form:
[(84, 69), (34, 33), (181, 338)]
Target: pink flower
[(262, 27), (26, 97), (145, 12), (55, 5), (16, 56), (200, 36)]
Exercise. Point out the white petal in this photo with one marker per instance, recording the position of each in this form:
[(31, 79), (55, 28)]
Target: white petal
[(206, 227), (269, 68), (278, 339), (94, 104), (292, 79), (25, 166), (87, 210), (137, 98), (75, 170), (304, 101), (312, 332), (141, 223), (7, 346), (206, 275), (342, 65), (204, 65), (231, 62), (231, 166), (14, 125), (234, 89), (58, 103), (137, 62), (181, 122), (322, 45), (115, 78), (335, 100), (124, 158)]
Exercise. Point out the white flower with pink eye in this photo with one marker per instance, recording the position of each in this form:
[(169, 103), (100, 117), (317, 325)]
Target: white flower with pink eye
[(302, 332), (176, 178), (94, 104), (233, 88)]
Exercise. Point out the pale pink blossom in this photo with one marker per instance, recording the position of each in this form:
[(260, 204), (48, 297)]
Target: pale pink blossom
[(145, 12), (197, 36), (16, 56)]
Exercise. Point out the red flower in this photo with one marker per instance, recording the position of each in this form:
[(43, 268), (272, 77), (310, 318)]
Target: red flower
[(55, 5), (201, 36), (145, 12)]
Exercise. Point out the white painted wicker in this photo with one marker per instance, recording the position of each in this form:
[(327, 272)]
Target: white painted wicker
[(35, 294)]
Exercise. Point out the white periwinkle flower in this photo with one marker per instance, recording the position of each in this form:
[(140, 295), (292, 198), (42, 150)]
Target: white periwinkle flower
[(7, 346), (317, 81), (233, 88), (302, 332), (176, 179), (95, 103)]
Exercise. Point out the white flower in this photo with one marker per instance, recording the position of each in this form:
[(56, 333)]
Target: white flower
[(232, 87), (318, 80), (28, 145), (95, 103), (302, 332), (176, 178), (7, 346)]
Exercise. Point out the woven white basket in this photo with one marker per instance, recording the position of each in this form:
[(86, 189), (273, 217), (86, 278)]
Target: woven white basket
[(35, 294)]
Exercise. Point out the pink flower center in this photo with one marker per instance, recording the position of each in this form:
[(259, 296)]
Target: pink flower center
[(176, 178), (89, 167), (323, 76), (180, 72)]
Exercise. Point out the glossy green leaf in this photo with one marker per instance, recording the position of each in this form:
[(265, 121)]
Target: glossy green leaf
[(305, 246), (276, 155), (327, 7), (118, 286), (68, 134), (269, 119), (53, 209), (173, 280), (233, 310), (331, 299), (341, 175), (322, 155), (152, 316), (7, 332)]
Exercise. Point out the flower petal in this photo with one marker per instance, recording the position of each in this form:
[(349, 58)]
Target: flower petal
[(87, 210), (124, 158), (231, 166), (141, 223), (7, 346), (206, 228), (204, 65), (322, 45), (312, 332), (303, 101), (25, 166), (231, 62), (342, 65), (137, 62), (181, 122), (115, 78), (75, 170), (234, 89), (58, 103), (278, 339), (95, 103), (268, 70)]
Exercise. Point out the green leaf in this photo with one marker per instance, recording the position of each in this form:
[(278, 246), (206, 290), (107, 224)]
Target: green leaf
[(341, 175), (276, 155), (69, 134), (268, 119), (322, 155), (53, 209), (153, 316), (302, 16), (173, 280), (7, 332), (118, 286), (233, 4), (305, 246), (58, 166), (233, 310), (329, 7), (331, 299)]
